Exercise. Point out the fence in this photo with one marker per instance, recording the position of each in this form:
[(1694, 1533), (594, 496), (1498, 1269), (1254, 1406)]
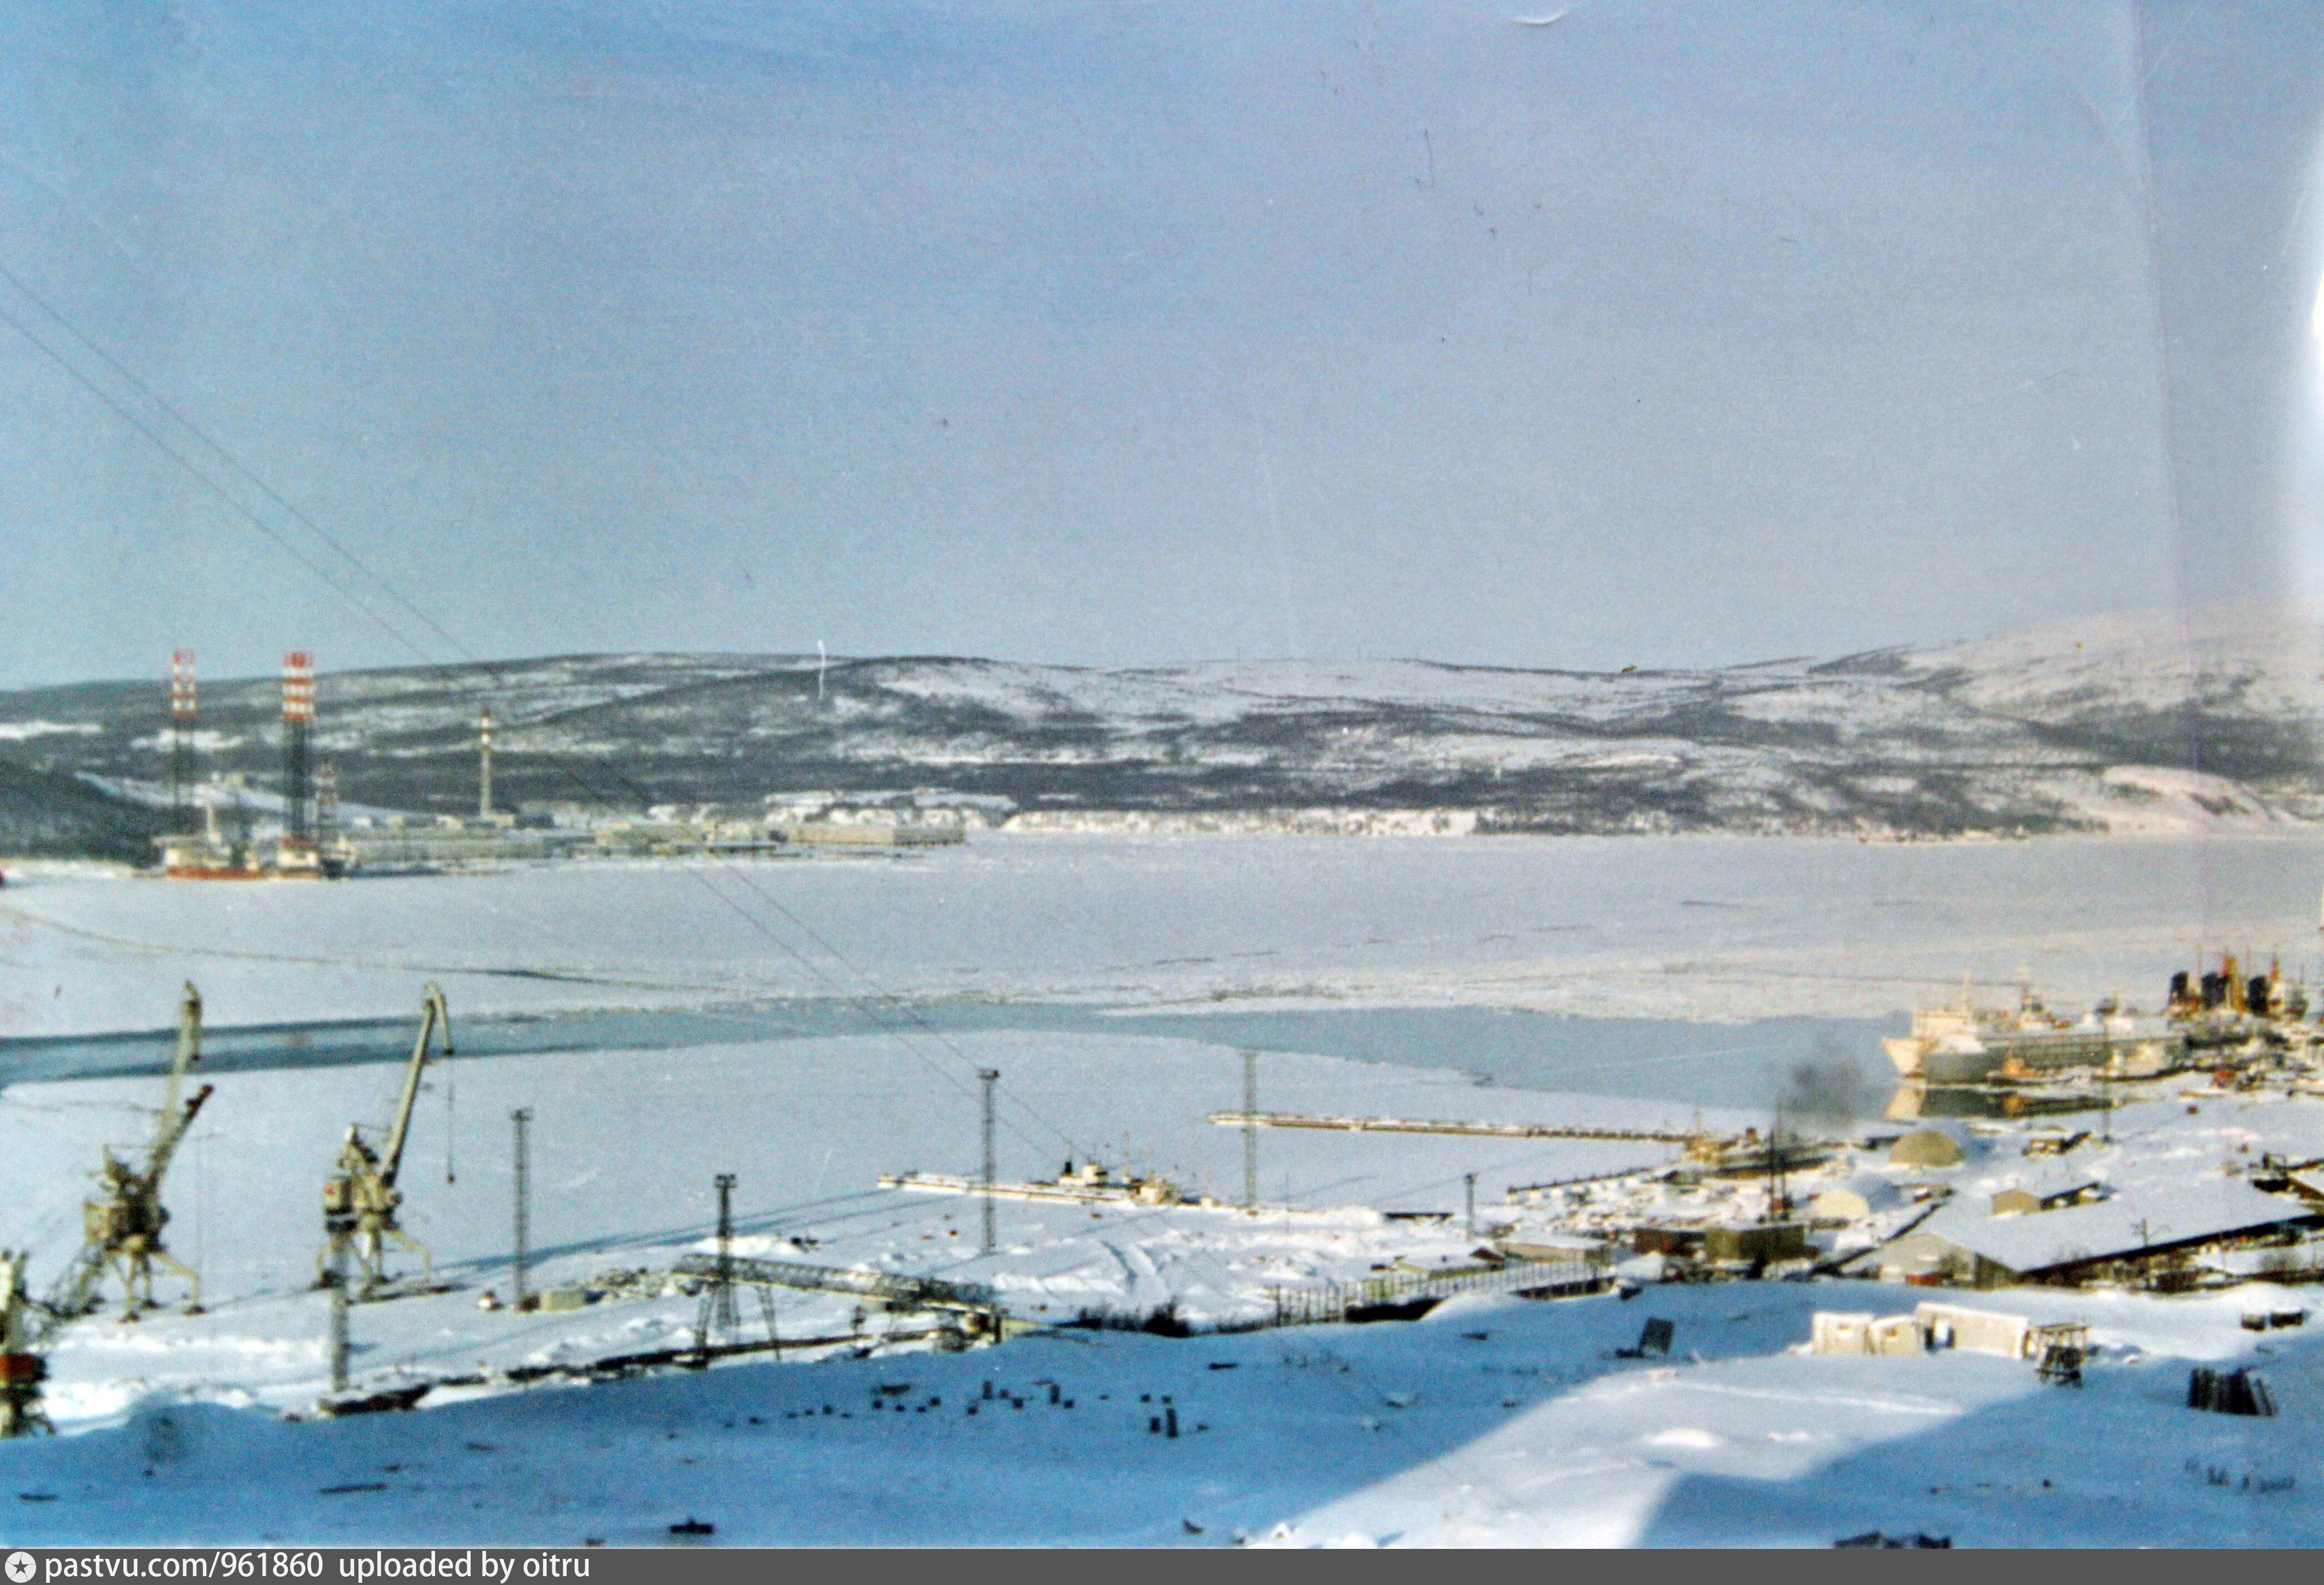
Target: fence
[(2228, 1392), (1409, 1125), (1579, 1272)]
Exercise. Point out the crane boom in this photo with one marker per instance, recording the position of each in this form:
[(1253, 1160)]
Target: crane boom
[(433, 1015), (189, 1047), (122, 1227), (69, 1300), (165, 1143)]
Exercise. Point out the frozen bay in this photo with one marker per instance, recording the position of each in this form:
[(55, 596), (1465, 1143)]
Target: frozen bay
[(1567, 964)]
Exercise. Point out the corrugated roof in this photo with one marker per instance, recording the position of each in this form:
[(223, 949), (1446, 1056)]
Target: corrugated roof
[(2130, 1221)]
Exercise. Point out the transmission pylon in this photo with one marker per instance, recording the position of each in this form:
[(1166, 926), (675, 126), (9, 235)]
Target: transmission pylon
[(718, 1313)]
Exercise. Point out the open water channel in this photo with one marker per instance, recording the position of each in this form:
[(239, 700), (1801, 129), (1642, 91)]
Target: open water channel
[(1745, 1065)]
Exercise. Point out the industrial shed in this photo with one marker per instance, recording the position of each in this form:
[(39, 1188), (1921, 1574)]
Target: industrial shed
[(1856, 1198), (1928, 1147), (2025, 1199), (1965, 1245)]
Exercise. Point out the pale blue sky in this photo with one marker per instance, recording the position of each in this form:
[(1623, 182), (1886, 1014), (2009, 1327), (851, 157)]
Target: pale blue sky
[(1119, 333)]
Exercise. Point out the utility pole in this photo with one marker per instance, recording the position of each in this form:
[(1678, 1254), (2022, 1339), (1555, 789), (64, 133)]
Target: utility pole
[(725, 1182), (338, 1317), (991, 1076), (1250, 1132), (1468, 1183), (520, 1117), (1778, 1193)]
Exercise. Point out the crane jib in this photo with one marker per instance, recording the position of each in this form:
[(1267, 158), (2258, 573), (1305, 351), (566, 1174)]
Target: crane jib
[(434, 1016)]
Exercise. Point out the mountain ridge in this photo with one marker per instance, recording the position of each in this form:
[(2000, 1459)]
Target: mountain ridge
[(2125, 722)]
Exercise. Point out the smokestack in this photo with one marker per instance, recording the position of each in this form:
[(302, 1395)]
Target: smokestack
[(181, 736), (485, 763), (298, 719)]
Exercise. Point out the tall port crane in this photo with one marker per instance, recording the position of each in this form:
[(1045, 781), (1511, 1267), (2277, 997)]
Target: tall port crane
[(121, 1229), (360, 1197)]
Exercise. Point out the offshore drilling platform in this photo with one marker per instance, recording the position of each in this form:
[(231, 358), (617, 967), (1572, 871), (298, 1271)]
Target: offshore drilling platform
[(222, 830), (225, 847)]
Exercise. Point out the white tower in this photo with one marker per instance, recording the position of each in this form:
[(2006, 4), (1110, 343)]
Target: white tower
[(484, 764)]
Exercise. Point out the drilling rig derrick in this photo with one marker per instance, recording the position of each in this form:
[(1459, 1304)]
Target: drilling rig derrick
[(360, 1198)]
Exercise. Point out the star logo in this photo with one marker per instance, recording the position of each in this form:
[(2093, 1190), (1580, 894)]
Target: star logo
[(19, 1567)]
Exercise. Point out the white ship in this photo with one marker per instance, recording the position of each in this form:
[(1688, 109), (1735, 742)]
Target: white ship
[(1967, 1045)]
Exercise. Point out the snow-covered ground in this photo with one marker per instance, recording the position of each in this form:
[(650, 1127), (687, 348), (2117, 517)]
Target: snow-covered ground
[(624, 1146), (1692, 927), (1493, 1421)]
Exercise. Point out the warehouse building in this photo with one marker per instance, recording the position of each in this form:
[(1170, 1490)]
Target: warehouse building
[(2130, 1237)]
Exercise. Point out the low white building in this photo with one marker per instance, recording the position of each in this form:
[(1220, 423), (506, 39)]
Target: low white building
[(1929, 1326)]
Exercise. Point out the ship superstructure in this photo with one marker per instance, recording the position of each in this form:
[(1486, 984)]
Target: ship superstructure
[(1968, 1045), (2213, 1019)]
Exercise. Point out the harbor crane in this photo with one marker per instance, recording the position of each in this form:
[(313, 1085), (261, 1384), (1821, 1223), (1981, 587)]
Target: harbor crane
[(360, 1197), (121, 1229)]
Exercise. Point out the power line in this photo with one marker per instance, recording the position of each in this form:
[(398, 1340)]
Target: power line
[(497, 678), (234, 461), (203, 479)]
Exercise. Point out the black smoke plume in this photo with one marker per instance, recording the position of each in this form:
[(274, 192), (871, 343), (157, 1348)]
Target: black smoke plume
[(1826, 1093)]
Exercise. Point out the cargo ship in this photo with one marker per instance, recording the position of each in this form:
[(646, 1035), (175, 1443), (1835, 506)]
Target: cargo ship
[(1966, 1045)]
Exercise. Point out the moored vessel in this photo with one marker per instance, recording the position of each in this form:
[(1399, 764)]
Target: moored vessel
[(1968, 1045)]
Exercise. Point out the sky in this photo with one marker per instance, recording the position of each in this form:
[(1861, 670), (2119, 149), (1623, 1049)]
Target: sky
[(1117, 333)]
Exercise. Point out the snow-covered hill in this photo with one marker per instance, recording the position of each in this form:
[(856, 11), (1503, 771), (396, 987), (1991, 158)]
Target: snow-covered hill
[(2127, 722), (45, 814)]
